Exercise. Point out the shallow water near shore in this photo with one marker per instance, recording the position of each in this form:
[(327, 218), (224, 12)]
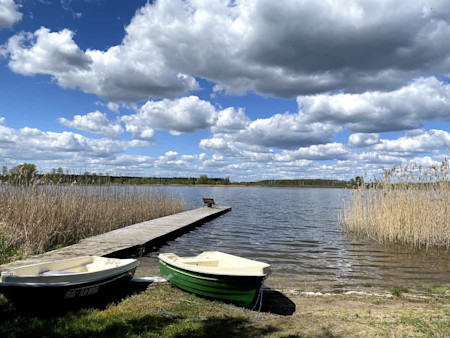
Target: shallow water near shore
[(297, 231)]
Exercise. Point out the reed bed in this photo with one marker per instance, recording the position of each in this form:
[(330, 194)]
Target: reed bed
[(35, 219), (408, 205)]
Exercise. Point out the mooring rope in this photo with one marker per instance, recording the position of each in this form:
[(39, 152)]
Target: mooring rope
[(259, 301)]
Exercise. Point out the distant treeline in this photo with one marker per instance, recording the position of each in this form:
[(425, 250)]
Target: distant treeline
[(26, 173), (320, 183)]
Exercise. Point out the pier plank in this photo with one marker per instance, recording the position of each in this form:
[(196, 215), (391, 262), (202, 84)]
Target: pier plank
[(133, 240)]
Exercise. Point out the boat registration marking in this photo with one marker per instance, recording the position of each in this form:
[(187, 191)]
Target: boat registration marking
[(81, 292)]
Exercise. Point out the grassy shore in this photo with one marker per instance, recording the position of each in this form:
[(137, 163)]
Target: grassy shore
[(408, 205), (165, 311), (35, 219)]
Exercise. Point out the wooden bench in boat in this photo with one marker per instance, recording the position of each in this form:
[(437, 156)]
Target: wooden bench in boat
[(209, 202), (56, 273)]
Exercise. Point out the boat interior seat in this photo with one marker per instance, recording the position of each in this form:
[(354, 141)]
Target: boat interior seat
[(81, 268), (94, 267), (211, 263), (91, 267), (55, 273), (214, 262)]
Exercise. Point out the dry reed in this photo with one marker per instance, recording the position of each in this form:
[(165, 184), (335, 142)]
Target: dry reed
[(34, 219), (408, 205)]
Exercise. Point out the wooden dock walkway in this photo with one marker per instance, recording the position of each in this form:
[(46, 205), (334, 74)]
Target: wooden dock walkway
[(133, 240)]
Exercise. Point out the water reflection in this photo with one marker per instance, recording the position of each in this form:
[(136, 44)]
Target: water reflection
[(297, 232)]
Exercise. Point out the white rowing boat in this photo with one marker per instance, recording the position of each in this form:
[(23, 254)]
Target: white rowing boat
[(65, 280)]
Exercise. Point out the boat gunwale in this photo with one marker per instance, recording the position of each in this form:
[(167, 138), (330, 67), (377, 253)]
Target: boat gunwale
[(77, 285)]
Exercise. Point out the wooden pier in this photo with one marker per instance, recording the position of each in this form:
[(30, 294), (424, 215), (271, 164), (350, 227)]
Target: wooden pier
[(130, 241)]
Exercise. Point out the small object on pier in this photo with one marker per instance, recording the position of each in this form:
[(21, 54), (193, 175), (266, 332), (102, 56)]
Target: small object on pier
[(209, 202)]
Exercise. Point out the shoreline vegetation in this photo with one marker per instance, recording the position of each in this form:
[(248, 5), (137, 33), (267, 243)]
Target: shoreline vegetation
[(408, 205), (38, 218)]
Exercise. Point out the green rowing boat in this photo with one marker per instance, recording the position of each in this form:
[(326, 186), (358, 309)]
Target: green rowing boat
[(216, 275)]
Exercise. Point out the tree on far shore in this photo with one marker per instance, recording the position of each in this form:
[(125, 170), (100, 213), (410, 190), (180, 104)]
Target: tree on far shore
[(22, 174)]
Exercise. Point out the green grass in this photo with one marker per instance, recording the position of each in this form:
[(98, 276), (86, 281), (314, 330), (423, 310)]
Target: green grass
[(442, 290), (397, 291), (165, 311), (434, 325), (7, 252), (141, 315)]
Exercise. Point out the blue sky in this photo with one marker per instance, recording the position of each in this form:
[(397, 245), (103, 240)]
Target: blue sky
[(246, 89)]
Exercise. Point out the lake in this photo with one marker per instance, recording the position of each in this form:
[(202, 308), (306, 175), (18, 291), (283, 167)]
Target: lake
[(297, 231)]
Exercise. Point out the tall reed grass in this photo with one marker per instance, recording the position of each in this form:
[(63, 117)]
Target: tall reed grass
[(408, 205), (36, 218)]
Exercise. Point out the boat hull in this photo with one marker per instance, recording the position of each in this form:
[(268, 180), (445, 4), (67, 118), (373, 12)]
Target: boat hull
[(65, 295), (239, 290)]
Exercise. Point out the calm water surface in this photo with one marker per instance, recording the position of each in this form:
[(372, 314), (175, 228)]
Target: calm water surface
[(298, 233)]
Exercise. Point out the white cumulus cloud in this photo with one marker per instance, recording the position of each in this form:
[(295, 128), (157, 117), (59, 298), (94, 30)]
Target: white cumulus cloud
[(45, 52), (36, 145), (315, 152), (277, 48), (269, 47), (95, 123), (9, 13), (283, 131), (363, 139), (122, 73), (427, 142), (424, 99), (184, 115)]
